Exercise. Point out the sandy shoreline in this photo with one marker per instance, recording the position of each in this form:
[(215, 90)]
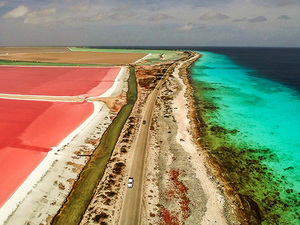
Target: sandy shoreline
[(179, 187), (215, 201), (174, 152), (53, 178)]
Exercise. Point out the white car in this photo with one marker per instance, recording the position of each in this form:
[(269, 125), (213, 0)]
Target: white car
[(130, 182)]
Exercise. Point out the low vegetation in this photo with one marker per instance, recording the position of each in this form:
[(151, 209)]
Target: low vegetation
[(84, 188)]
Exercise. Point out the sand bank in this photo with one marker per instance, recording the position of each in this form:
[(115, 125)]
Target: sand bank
[(42, 194), (75, 57), (178, 187), (214, 199), (118, 85), (143, 59), (44, 98)]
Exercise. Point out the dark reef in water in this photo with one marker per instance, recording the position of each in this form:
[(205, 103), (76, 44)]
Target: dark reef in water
[(255, 186)]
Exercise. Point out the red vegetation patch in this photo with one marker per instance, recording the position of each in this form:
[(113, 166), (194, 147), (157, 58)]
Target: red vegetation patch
[(168, 217), (177, 192), (180, 192)]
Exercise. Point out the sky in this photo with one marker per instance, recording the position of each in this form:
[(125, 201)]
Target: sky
[(262, 23)]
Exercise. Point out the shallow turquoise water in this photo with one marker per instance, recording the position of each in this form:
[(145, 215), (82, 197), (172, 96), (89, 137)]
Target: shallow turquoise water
[(265, 114)]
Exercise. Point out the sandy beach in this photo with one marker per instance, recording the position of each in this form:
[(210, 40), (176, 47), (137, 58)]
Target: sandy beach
[(179, 187), (180, 183)]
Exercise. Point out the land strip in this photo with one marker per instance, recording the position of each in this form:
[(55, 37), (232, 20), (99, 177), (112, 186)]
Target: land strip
[(106, 204), (179, 188), (109, 101), (44, 98), (131, 208), (82, 192), (4, 50), (75, 57), (154, 56)]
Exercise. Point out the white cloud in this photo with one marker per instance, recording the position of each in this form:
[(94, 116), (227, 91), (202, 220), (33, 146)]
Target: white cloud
[(213, 16), (41, 16), (278, 3), (159, 17), (81, 6), (121, 16), (18, 12), (286, 2), (240, 20), (94, 18), (187, 27), (144, 22)]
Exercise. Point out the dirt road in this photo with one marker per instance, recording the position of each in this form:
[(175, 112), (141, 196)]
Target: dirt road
[(131, 208)]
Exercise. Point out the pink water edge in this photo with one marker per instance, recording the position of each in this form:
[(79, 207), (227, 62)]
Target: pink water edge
[(57, 81), (29, 129)]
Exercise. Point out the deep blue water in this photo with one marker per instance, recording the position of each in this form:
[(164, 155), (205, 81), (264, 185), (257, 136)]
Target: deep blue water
[(278, 64), (256, 92)]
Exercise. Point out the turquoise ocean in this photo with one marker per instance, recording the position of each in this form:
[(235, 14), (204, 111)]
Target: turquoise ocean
[(248, 103)]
